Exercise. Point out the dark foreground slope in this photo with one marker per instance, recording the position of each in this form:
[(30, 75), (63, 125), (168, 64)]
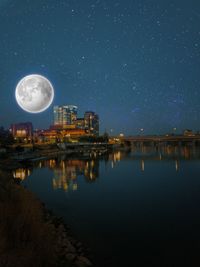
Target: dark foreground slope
[(30, 235)]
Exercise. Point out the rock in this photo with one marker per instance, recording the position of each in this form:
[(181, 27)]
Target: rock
[(80, 250), (69, 247), (64, 236), (72, 240), (78, 244), (70, 256), (61, 228), (82, 262)]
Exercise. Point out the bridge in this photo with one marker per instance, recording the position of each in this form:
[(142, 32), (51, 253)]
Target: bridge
[(162, 139)]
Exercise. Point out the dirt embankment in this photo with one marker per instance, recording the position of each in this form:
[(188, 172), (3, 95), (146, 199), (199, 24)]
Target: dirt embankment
[(30, 235)]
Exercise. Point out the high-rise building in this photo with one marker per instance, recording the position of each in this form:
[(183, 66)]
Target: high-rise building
[(80, 123), (65, 115), (91, 122)]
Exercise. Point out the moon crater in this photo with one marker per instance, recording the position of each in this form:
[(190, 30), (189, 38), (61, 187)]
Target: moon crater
[(34, 93)]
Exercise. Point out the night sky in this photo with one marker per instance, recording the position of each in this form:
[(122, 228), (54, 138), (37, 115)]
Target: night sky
[(135, 63)]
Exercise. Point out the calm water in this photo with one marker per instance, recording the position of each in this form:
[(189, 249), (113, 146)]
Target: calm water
[(133, 209)]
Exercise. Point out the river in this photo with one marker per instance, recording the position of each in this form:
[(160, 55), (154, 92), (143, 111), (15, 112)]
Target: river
[(137, 208)]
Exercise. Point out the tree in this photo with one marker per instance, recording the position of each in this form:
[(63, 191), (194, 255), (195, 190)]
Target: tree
[(6, 137)]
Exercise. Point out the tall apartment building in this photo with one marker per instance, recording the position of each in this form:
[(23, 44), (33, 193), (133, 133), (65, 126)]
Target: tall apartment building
[(91, 122), (65, 115)]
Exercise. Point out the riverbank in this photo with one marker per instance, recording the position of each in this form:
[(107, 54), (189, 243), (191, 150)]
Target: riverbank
[(31, 235), (30, 152)]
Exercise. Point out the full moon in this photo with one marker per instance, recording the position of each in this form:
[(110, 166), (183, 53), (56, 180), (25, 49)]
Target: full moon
[(34, 93)]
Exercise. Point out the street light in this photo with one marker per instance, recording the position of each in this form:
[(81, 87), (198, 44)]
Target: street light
[(174, 130)]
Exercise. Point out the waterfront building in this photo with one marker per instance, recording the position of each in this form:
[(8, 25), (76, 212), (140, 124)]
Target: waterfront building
[(65, 115), (188, 132), (59, 135), (80, 123), (22, 131), (61, 127), (91, 122)]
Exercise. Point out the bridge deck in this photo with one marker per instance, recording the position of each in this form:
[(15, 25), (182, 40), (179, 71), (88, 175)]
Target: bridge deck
[(174, 138)]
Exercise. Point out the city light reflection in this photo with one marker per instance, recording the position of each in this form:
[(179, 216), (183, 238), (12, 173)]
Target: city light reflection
[(67, 173), (21, 173)]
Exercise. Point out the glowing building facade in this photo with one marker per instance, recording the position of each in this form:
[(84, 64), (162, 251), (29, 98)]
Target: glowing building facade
[(92, 122), (22, 130), (65, 116), (80, 123)]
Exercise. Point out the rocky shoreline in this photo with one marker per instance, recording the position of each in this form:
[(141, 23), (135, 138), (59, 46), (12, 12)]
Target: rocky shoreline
[(68, 248), (69, 252)]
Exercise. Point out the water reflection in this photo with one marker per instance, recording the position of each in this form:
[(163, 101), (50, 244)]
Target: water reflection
[(66, 172), (186, 152), (21, 173), (115, 157), (142, 165), (176, 165)]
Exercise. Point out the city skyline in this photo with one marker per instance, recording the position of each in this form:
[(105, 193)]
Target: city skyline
[(66, 117), (66, 126), (62, 120), (135, 63)]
